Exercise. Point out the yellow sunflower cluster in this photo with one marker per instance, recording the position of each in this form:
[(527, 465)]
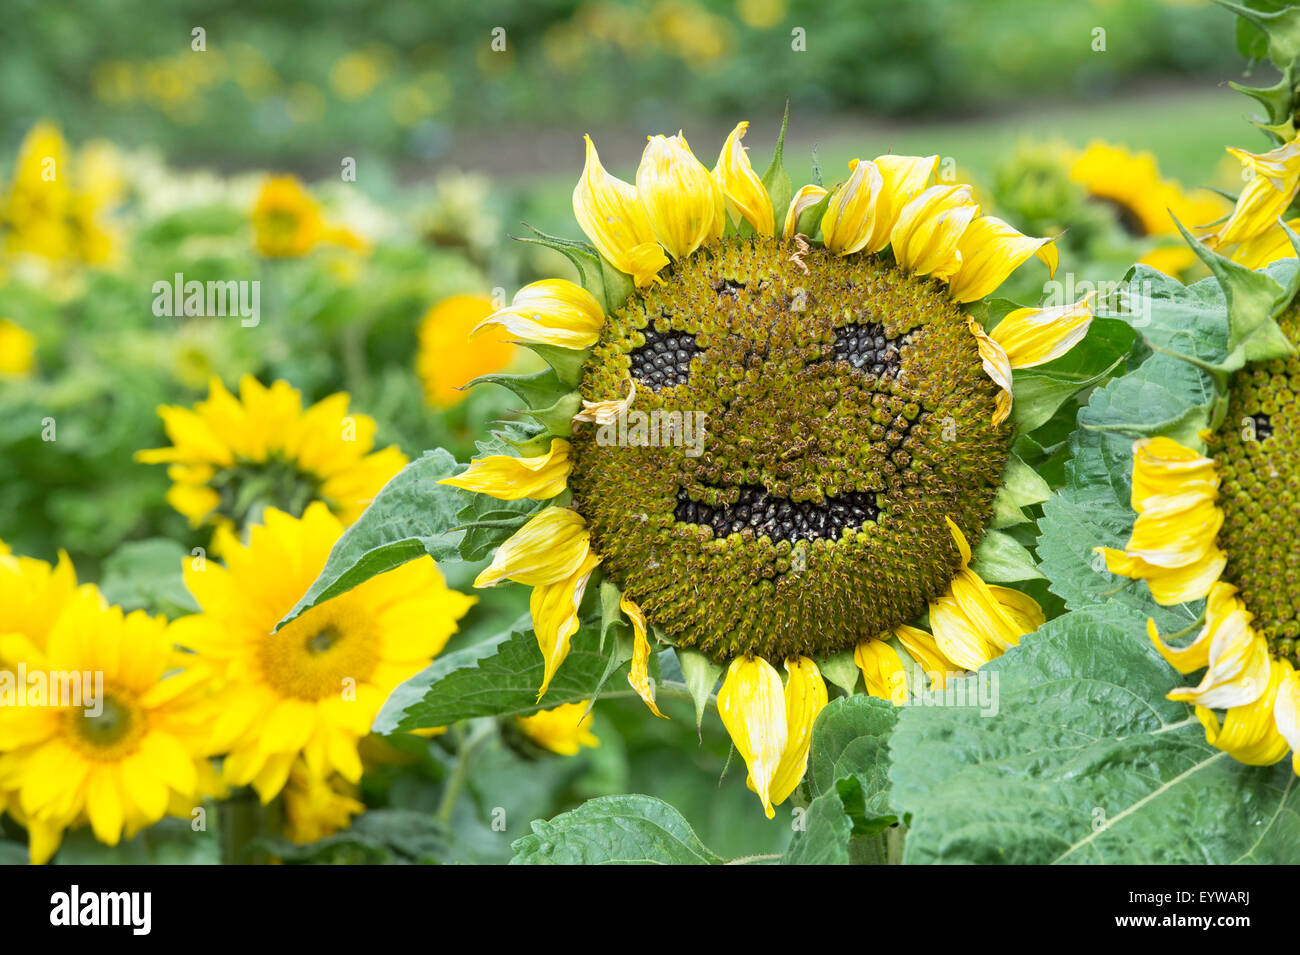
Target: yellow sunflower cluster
[(288, 222), (55, 207), (676, 207)]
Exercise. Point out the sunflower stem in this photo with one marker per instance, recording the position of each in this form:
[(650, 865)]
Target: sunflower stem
[(244, 819), (460, 772)]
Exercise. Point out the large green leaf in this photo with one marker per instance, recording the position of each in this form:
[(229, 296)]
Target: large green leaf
[(615, 830), (411, 516), (1084, 762), (498, 677)]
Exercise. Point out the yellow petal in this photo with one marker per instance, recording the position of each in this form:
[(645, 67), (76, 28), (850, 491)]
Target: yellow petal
[(639, 677), (990, 251), (850, 217), (903, 178), (1169, 585), (1032, 336), (609, 211), (551, 312), (548, 548), (510, 478), (745, 193), (1238, 667), (1175, 530), (925, 651), (562, 730), (805, 696), (682, 200), (1286, 713), (554, 609), (1222, 603), (1250, 732), (807, 197), (882, 670), (929, 228), (751, 703), (996, 365), (1275, 177)]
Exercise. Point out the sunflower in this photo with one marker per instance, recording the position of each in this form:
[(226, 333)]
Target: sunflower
[(55, 208), (1145, 203), (17, 349), (856, 424), (119, 760), (443, 362), (231, 458), (563, 729), (288, 222), (1221, 525), (311, 690), (316, 807)]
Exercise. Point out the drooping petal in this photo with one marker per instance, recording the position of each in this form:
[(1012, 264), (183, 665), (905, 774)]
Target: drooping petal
[(1238, 667), (746, 195), (1169, 585), (682, 200), (1274, 179), (1223, 601), (1163, 466), (751, 703), (1249, 732), (554, 609), (807, 197), (882, 670), (551, 312), (903, 178), (1032, 336), (850, 218), (929, 228), (609, 211), (1286, 713), (548, 548), (925, 651), (607, 412), (990, 251), (540, 477), (805, 696), (639, 676), (996, 365)]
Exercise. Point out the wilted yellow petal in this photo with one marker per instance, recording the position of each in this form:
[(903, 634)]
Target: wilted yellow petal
[(1032, 336), (607, 412), (547, 549), (1286, 713), (554, 609), (990, 251), (804, 199), (850, 218), (751, 703), (510, 478), (1162, 466), (903, 178), (882, 670), (1249, 732), (1238, 666), (551, 312), (805, 696), (745, 192), (609, 211), (682, 200), (639, 676), (929, 228), (925, 651), (996, 365), (1264, 249), (562, 729), (1274, 179)]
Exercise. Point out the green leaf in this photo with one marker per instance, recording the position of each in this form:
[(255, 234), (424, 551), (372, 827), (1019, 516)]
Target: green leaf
[(558, 417), (498, 677), (537, 390), (1021, 487), (701, 675), (776, 180), (1085, 761), (411, 516), (486, 522), (148, 575), (1001, 558), (841, 669), (615, 830), (850, 741), (565, 362), (1041, 390), (823, 834), (1281, 27)]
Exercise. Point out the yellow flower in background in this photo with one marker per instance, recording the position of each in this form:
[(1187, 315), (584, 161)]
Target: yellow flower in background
[(55, 207), (119, 759), (1221, 526), (17, 349), (1272, 180), (310, 691), (231, 458), (444, 362), (316, 807), (288, 221), (799, 531), (562, 730), (1145, 203)]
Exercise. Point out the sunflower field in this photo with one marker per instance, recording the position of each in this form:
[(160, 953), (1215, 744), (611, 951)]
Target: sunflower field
[(683, 432)]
